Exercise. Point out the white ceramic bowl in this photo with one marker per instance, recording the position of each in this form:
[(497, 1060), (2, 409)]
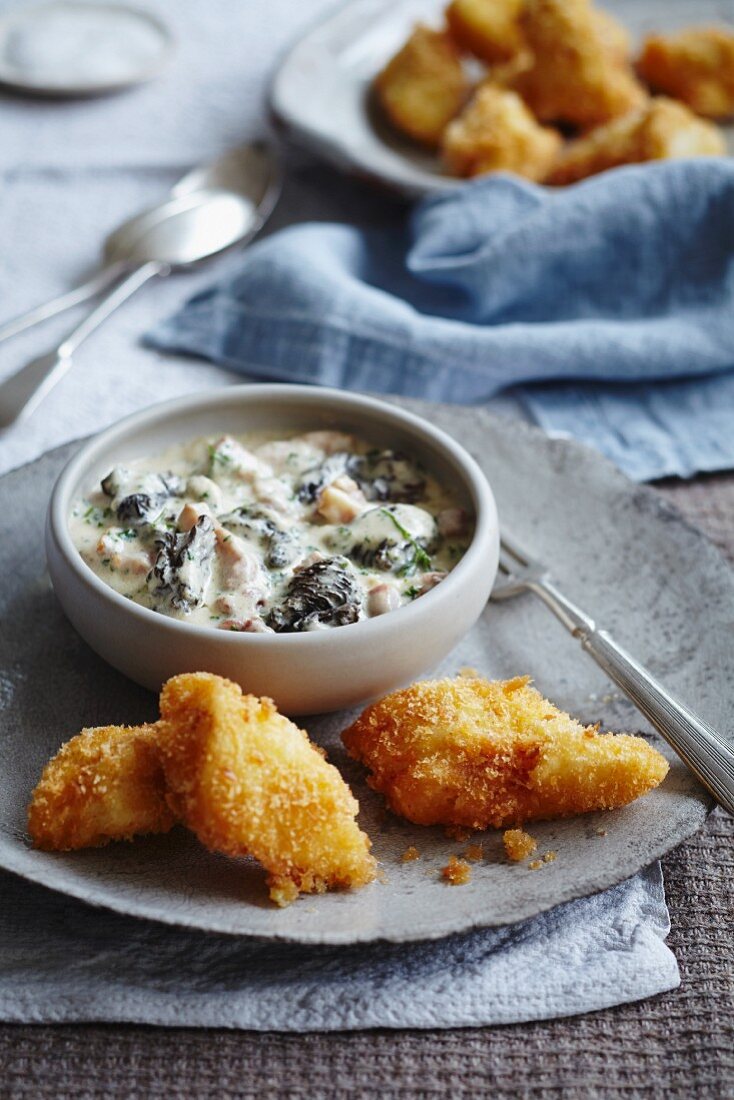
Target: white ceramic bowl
[(304, 673)]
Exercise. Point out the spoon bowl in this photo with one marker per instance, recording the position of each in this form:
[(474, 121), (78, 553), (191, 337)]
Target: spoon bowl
[(210, 209)]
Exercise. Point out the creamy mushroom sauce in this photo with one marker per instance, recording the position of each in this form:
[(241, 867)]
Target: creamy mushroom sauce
[(262, 534)]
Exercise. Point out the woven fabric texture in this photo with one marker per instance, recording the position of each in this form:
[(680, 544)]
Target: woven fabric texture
[(677, 1045)]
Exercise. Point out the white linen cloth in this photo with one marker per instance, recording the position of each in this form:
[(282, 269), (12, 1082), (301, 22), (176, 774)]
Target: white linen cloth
[(70, 172), (61, 961)]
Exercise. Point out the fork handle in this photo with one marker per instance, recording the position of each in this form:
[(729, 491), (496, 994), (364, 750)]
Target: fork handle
[(698, 744)]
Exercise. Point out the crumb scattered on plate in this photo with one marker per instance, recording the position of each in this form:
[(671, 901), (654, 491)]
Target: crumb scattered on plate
[(535, 864), (474, 852), (457, 872), (410, 854), (518, 844)]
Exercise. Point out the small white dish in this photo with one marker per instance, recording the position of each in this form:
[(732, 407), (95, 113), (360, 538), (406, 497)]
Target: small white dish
[(304, 673), (66, 48)]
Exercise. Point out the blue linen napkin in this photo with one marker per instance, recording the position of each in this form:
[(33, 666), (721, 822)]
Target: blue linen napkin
[(606, 308)]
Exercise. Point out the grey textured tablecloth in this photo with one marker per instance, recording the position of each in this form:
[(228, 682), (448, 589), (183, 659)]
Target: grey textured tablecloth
[(679, 1045)]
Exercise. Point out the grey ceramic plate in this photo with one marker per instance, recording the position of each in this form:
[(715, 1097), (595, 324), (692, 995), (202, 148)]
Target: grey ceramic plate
[(616, 547), (320, 95)]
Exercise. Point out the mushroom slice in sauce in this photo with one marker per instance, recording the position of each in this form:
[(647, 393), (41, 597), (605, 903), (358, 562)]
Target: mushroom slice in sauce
[(314, 480), (139, 500), (387, 475), (183, 566), (281, 548), (323, 594)]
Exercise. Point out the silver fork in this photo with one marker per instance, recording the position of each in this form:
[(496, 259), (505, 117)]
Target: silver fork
[(699, 746)]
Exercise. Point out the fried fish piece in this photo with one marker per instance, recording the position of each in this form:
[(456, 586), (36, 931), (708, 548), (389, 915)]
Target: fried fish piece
[(613, 36), (476, 753), (496, 132), (247, 781), (104, 784), (658, 131), (576, 76), (696, 65), (423, 86), (489, 29)]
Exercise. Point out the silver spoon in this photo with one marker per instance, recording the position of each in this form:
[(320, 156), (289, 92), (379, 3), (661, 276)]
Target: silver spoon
[(209, 210)]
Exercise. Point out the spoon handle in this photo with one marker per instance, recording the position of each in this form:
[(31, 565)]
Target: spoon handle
[(82, 293), (24, 390)]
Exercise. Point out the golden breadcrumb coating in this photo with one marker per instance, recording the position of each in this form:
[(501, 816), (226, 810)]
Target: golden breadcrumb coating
[(423, 86), (490, 29), (247, 781), (659, 130), (695, 65), (104, 784), (612, 35), (576, 76), (477, 753), (495, 133), (518, 844)]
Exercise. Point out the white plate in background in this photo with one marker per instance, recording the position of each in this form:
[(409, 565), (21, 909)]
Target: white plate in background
[(320, 95)]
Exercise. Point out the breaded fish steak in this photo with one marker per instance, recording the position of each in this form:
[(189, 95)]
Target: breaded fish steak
[(496, 133), (490, 29), (695, 65), (476, 753), (104, 784), (660, 130), (578, 75), (247, 781), (423, 86)]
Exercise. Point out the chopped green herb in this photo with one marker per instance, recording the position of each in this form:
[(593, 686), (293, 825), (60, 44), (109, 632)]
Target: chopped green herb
[(216, 455), (420, 557), (411, 592)]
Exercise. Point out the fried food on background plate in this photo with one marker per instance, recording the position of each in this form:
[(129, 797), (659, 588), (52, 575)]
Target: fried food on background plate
[(576, 77), (423, 86), (660, 130), (614, 37), (104, 784), (247, 781), (476, 753), (695, 65), (489, 29), (496, 132)]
